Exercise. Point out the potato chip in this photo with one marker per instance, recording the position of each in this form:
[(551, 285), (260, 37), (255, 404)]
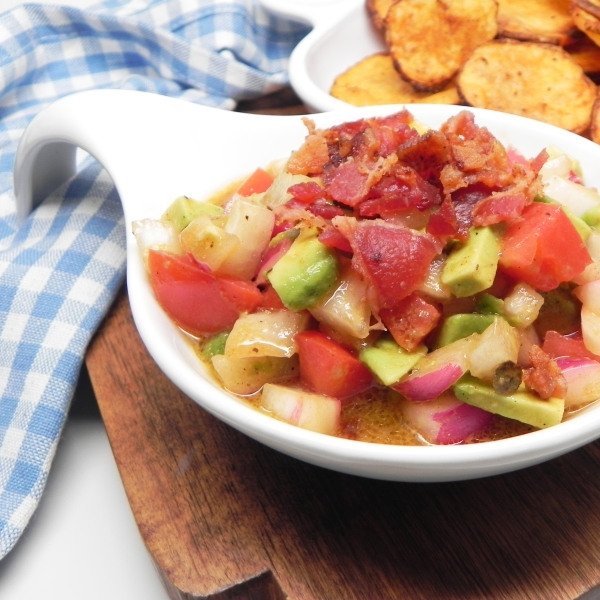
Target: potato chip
[(546, 21), (590, 6), (374, 80), (595, 126), (429, 40), (377, 11), (586, 22), (540, 81), (587, 55)]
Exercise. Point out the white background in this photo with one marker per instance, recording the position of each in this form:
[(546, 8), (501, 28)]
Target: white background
[(82, 543)]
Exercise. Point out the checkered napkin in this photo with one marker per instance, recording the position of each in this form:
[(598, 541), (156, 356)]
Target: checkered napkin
[(60, 270)]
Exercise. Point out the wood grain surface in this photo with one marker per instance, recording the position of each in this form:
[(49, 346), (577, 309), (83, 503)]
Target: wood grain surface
[(226, 518)]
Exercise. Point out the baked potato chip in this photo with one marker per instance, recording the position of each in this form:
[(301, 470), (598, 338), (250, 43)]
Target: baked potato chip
[(377, 11), (590, 6), (546, 21), (587, 55), (595, 126), (540, 81), (429, 40), (374, 80), (587, 22)]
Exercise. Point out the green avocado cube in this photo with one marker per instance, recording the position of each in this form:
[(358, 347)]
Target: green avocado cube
[(471, 268), (388, 361), (215, 345), (463, 325), (592, 217), (489, 305), (521, 406), (306, 272), (182, 211)]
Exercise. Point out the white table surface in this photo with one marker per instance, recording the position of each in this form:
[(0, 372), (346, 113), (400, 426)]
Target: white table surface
[(82, 542)]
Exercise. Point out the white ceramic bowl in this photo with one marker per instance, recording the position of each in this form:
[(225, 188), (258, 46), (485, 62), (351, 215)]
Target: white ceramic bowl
[(194, 150), (342, 35)]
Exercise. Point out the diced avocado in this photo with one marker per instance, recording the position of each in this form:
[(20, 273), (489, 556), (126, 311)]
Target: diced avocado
[(581, 225), (489, 305), (471, 268), (215, 345), (306, 272), (521, 406), (184, 210), (462, 325), (388, 361), (592, 217)]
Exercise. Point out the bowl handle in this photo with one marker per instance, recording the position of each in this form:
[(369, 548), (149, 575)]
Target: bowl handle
[(119, 128)]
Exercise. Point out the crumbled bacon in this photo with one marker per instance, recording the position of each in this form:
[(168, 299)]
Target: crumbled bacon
[(478, 157), (460, 175), (310, 158), (544, 376)]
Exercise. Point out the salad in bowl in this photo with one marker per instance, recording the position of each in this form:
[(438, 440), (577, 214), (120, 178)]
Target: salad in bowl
[(392, 283)]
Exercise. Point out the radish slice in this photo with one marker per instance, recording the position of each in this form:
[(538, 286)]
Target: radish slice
[(446, 420), (437, 371), (583, 380), (309, 411), (270, 257)]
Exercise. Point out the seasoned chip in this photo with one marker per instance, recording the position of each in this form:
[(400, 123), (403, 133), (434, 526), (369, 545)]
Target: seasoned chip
[(429, 39), (587, 55), (537, 20), (377, 11), (590, 6), (374, 80), (587, 22), (595, 126), (540, 81)]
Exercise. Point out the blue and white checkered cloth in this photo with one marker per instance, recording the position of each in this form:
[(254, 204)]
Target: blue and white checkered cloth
[(60, 271)]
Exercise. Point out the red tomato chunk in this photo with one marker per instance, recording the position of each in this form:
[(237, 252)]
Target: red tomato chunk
[(196, 300), (544, 249)]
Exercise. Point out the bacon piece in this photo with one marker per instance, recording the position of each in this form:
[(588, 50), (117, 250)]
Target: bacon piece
[(411, 320), (393, 259), (346, 183), (310, 158), (333, 238), (402, 188), (478, 157), (503, 206), (307, 192), (544, 377), (426, 154)]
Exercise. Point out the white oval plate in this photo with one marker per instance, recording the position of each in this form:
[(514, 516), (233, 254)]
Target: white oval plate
[(157, 148)]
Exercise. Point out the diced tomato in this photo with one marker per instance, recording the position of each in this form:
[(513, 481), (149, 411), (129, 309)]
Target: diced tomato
[(328, 368), (544, 249), (411, 320), (260, 181), (393, 259), (271, 299), (558, 346), (197, 300)]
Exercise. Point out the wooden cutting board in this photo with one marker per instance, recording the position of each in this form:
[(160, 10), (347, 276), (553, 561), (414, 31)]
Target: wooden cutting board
[(226, 518)]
